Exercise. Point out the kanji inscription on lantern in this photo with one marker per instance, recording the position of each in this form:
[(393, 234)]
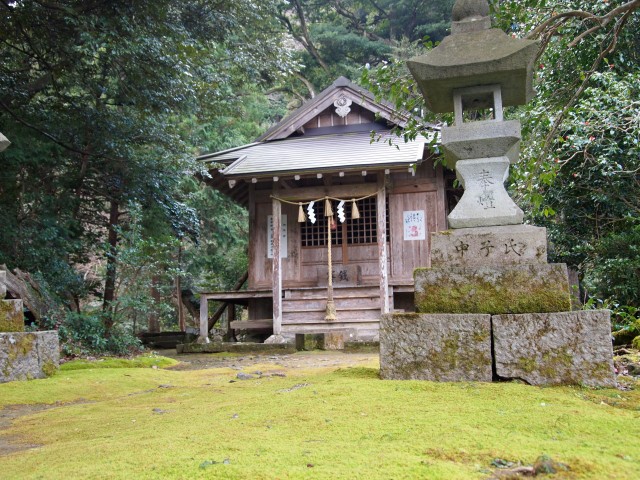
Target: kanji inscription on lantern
[(283, 236), (486, 198), (414, 225)]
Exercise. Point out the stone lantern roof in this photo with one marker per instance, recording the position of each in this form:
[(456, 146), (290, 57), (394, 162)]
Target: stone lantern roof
[(475, 54)]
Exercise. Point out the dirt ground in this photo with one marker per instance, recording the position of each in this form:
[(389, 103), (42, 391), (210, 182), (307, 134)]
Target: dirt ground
[(315, 359)]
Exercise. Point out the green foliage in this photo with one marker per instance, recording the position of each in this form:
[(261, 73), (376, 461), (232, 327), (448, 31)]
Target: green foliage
[(148, 265), (86, 334), (339, 38), (104, 103)]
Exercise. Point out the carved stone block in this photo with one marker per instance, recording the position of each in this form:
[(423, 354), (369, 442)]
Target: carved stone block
[(555, 348), (443, 347), (498, 245)]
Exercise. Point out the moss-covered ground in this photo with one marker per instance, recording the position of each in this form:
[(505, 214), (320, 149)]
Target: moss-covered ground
[(331, 422)]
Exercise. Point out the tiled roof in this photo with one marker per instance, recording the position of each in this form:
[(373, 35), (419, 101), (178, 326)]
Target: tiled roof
[(349, 151)]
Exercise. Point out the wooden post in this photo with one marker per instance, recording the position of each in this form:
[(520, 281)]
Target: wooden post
[(204, 320), (276, 279), (331, 306), (382, 243)]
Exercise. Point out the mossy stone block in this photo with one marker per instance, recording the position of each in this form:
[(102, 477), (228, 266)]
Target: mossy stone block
[(493, 289), (442, 347), (560, 348), (11, 316), (25, 356)]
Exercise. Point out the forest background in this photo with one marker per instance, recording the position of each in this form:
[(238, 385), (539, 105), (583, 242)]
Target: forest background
[(108, 103)]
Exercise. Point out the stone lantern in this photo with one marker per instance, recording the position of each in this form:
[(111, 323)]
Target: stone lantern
[(489, 306), (475, 72)]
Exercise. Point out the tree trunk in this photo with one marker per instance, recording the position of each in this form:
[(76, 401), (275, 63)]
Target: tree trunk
[(154, 321), (112, 260)]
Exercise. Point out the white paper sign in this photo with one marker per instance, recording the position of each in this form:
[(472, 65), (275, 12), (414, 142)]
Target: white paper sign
[(283, 236), (414, 225)]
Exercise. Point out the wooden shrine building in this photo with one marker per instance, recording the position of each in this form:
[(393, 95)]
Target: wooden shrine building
[(323, 153)]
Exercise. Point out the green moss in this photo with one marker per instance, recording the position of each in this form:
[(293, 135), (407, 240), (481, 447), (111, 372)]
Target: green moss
[(143, 361), (49, 368), (10, 320), (336, 424), (527, 364), (508, 291), (22, 347)]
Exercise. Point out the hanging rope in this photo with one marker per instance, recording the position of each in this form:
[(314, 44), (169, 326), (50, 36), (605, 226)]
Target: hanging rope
[(355, 213), (325, 198)]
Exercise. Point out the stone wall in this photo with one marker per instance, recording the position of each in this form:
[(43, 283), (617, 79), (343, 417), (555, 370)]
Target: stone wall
[(28, 355)]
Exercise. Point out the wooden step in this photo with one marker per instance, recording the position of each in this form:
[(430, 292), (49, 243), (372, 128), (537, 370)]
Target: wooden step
[(366, 315), (341, 303), (251, 325), (327, 327), (338, 292)]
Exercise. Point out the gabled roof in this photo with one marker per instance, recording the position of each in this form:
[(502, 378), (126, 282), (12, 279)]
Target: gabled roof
[(294, 147), (341, 87), (347, 151)]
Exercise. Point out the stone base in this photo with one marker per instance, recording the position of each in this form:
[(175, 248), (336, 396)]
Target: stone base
[(320, 341), (11, 316), (493, 289), (25, 356), (555, 348), (499, 245), (443, 347)]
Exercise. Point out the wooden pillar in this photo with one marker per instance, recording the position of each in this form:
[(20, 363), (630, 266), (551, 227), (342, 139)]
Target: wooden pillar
[(382, 243), (204, 320), (276, 279)]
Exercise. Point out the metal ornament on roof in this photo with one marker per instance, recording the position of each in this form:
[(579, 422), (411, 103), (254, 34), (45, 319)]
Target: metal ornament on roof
[(342, 105)]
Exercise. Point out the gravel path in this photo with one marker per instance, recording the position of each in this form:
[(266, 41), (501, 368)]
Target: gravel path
[(200, 361)]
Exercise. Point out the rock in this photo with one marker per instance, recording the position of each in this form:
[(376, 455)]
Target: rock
[(555, 348), (493, 289), (437, 347), (244, 376)]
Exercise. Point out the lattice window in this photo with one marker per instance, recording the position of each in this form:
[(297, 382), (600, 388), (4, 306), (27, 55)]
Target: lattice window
[(359, 231)]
